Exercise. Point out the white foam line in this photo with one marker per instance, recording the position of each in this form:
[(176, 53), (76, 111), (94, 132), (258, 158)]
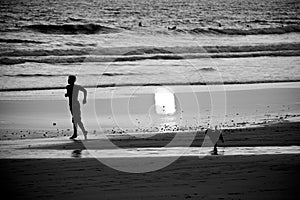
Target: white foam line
[(144, 152)]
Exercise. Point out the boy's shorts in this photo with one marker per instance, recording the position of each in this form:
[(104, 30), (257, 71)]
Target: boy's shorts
[(75, 110)]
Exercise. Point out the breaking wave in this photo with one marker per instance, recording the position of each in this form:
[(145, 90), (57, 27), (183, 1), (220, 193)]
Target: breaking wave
[(81, 59), (125, 54), (137, 51)]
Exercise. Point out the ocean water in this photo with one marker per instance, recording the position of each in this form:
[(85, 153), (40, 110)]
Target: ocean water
[(147, 42)]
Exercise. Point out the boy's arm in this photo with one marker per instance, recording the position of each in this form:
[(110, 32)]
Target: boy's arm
[(66, 95), (84, 93)]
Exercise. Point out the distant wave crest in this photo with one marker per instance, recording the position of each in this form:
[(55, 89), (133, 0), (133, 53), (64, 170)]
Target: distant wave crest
[(117, 74), (254, 31), (206, 69), (19, 41), (71, 29), (33, 75), (56, 75), (150, 84)]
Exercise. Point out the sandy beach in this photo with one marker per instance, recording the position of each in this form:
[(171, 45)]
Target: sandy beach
[(259, 159)]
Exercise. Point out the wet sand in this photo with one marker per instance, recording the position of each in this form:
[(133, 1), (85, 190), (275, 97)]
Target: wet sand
[(230, 177), (64, 169)]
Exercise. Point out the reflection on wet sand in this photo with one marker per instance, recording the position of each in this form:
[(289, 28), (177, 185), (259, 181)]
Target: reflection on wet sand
[(145, 152)]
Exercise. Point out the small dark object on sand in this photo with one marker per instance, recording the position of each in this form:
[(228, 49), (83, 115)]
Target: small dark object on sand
[(54, 124), (172, 28)]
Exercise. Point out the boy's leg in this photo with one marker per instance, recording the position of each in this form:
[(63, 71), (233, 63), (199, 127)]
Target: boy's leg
[(77, 115), (74, 129), (80, 124), (74, 124)]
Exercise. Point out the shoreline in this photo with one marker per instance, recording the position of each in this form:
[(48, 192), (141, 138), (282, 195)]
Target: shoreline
[(265, 135), (94, 92)]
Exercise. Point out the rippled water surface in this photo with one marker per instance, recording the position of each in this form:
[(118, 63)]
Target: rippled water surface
[(128, 42)]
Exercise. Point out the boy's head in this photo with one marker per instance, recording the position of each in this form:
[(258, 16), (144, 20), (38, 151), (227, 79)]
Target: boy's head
[(71, 79)]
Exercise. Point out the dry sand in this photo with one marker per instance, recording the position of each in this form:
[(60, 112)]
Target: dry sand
[(131, 108)]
